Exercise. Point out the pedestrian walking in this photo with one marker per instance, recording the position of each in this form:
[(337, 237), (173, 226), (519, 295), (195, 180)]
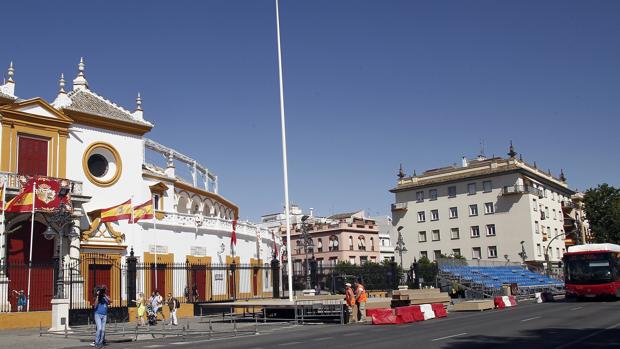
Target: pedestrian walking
[(158, 307), (360, 299), (141, 305), (173, 305), (349, 297), (22, 300), (102, 303)]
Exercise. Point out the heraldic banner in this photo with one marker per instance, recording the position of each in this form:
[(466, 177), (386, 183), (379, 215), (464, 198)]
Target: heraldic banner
[(45, 193)]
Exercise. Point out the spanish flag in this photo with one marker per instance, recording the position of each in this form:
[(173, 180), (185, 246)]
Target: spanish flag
[(117, 213), (144, 211), (22, 202)]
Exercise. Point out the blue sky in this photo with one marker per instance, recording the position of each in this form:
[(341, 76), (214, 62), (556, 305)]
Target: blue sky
[(368, 85)]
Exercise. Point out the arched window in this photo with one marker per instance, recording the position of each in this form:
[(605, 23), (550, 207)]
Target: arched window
[(361, 243), (372, 243), (182, 204), (333, 243), (319, 245), (350, 243)]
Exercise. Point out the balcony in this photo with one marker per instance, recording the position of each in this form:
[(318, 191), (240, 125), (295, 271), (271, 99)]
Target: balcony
[(202, 223), (399, 206), (520, 190), (568, 206), (15, 182)]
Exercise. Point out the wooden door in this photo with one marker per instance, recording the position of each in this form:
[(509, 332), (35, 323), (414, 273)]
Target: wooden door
[(32, 156), (255, 281), (198, 282), (160, 269), (98, 275)]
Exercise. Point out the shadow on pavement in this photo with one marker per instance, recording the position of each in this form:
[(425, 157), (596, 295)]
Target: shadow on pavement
[(548, 338)]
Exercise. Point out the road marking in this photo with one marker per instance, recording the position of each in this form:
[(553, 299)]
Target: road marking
[(154, 346), (576, 308), (531, 318), (289, 343), (446, 337), (588, 336), (349, 334)]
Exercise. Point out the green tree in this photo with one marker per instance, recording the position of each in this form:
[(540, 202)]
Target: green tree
[(428, 270), (602, 208)]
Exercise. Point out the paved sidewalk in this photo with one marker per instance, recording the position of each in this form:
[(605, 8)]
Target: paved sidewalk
[(30, 339), (126, 332)]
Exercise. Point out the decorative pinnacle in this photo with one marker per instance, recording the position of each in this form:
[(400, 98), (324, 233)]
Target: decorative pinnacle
[(81, 67), (61, 83), (11, 72), (511, 151), (562, 176), (401, 172), (138, 102), (80, 81)]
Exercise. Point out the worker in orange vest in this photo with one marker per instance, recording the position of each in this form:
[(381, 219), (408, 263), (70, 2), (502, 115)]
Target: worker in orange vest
[(349, 298), (360, 300)]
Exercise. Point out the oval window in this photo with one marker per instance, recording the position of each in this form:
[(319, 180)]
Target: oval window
[(97, 165)]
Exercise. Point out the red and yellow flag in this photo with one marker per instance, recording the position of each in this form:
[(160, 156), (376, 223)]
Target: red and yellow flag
[(117, 213), (144, 211), (22, 202)]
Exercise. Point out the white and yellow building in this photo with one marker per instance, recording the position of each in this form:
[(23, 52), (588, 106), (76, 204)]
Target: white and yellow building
[(100, 148)]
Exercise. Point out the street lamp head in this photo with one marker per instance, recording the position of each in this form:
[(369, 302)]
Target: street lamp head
[(49, 233), (304, 218), (399, 228)]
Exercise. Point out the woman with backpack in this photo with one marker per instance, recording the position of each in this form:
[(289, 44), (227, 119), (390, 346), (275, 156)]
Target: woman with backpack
[(173, 305)]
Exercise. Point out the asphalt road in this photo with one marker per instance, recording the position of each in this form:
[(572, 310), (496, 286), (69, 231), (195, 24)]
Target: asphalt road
[(550, 326)]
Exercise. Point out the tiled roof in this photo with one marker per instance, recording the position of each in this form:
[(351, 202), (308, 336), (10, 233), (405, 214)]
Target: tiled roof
[(86, 101)]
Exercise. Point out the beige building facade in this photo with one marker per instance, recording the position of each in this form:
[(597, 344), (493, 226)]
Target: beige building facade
[(485, 209)]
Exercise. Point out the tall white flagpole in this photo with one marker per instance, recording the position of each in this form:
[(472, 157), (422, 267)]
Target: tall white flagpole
[(155, 235), (284, 161), (34, 199)]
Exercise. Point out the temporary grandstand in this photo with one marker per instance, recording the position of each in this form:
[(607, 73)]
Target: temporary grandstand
[(488, 280)]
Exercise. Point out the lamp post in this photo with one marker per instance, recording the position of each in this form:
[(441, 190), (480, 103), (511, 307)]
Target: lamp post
[(547, 257), (400, 245), (308, 244), (57, 223)]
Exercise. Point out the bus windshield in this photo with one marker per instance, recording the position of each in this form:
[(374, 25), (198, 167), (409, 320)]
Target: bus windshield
[(592, 268)]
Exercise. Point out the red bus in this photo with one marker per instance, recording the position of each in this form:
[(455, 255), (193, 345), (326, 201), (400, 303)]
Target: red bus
[(592, 270)]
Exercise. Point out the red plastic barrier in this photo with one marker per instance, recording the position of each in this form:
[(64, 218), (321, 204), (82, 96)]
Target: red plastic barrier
[(383, 311), (411, 309), (407, 318), (439, 309), (513, 300), (384, 319), (499, 302)]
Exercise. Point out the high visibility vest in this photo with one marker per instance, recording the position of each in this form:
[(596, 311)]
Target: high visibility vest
[(350, 297), (361, 294)]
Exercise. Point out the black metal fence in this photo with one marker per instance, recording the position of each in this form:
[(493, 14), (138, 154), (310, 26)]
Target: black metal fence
[(189, 282), (26, 287), (332, 278)]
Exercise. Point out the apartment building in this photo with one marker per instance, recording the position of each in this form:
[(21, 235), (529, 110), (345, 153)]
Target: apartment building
[(345, 237), (485, 209)]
